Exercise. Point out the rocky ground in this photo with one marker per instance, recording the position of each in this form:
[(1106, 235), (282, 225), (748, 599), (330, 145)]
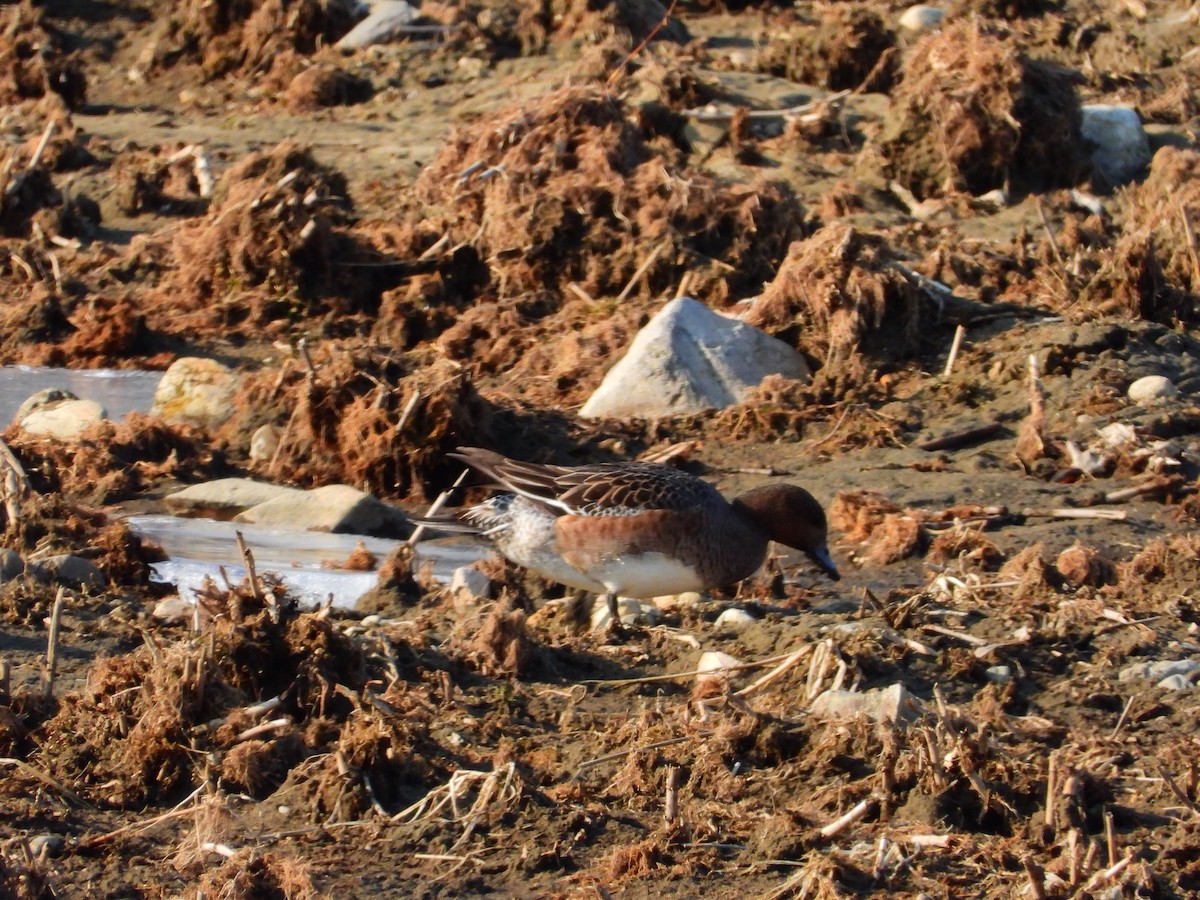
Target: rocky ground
[(449, 239)]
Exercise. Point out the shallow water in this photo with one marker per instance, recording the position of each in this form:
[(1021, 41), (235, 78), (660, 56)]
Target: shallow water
[(119, 391), (200, 548)]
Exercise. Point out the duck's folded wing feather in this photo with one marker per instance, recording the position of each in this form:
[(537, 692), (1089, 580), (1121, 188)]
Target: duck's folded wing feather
[(601, 489)]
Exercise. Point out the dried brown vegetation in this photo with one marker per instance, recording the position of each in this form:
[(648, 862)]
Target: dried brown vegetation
[(970, 111)]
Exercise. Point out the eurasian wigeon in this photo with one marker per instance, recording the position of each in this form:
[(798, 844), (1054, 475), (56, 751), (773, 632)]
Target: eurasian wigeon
[(635, 529)]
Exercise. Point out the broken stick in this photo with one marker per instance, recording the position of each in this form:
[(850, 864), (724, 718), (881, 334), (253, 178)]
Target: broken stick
[(959, 438)]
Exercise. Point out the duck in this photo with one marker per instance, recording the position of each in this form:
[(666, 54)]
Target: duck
[(633, 529)]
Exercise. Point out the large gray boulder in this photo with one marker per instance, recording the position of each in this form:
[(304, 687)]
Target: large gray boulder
[(688, 359), (336, 507)]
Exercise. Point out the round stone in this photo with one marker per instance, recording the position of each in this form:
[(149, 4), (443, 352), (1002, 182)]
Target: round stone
[(920, 19), (1151, 389)]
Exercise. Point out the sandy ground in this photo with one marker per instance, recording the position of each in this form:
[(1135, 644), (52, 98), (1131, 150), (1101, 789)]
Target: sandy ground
[(470, 226)]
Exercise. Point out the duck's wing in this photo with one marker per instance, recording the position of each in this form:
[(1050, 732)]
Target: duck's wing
[(600, 489)]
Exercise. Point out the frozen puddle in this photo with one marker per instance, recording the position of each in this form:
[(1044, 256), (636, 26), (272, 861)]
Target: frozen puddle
[(200, 548), (117, 390)]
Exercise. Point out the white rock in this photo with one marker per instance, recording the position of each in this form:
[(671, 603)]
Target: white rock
[(688, 359), (1157, 671), (64, 420), (678, 601), (385, 19), (734, 618), (714, 665), (631, 611), (1151, 388), (264, 442), (469, 580), (174, 609), (195, 391), (890, 704), (336, 508), (999, 674), (1120, 150), (1176, 683), (920, 19)]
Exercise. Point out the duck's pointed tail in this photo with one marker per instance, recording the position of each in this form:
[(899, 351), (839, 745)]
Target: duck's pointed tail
[(448, 524)]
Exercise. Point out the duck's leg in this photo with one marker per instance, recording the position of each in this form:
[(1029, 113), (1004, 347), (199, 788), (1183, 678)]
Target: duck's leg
[(579, 610), (615, 627)]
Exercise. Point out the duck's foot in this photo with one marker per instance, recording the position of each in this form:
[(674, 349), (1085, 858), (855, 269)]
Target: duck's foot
[(615, 628)]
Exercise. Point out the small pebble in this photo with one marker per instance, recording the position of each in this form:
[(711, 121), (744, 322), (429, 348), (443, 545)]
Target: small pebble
[(1151, 389), (47, 844), (999, 674), (173, 609), (632, 612), (678, 601), (712, 665), (264, 442), (734, 618), (469, 580), (11, 564), (921, 18), (371, 621), (890, 704)]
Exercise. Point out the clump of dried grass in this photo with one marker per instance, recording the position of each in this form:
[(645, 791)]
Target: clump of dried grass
[(1176, 557), (112, 461), (971, 111), (224, 36), (33, 61), (553, 208), (1081, 565), (965, 544), (858, 513), (1152, 270), (1035, 577), (499, 645), (840, 51), (322, 85), (897, 537), (381, 422), (507, 29), (147, 720), (272, 247), (834, 290), (249, 875)]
